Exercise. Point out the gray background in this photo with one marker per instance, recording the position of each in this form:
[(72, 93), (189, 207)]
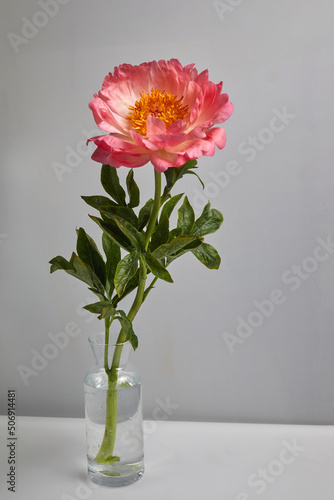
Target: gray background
[(274, 58)]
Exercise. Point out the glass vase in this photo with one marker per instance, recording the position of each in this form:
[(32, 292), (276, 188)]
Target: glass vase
[(114, 418)]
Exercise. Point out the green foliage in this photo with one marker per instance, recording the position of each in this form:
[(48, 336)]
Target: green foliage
[(144, 214), (133, 190), (169, 206), (130, 254), (100, 202), (80, 270), (174, 174), (113, 256), (186, 219), (157, 269), (111, 228), (127, 329), (209, 222), (90, 255), (136, 238), (160, 234), (110, 183), (60, 262), (131, 285), (208, 255), (173, 247), (103, 308), (125, 270), (110, 209), (125, 213)]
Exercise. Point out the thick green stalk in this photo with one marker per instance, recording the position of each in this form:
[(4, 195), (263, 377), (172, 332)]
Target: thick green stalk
[(107, 323), (105, 454), (155, 208)]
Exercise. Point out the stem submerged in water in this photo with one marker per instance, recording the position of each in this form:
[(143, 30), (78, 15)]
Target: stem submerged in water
[(105, 454)]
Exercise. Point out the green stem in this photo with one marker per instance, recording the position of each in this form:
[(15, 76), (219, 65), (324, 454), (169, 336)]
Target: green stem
[(150, 287), (105, 454), (155, 208), (107, 323), (142, 274)]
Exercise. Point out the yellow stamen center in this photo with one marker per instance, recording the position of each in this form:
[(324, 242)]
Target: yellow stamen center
[(158, 103)]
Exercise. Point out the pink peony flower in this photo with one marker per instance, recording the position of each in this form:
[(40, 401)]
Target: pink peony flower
[(160, 112)]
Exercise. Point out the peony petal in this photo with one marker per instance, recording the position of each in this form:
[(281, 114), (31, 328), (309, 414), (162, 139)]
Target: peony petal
[(162, 160), (108, 142), (202, 147), (202, 78), (132, 161), (150, 145), (164, 141), (177, 127), (218, 137), (154, 126), (137, 138), (103, 116), (117, 160), (198, 148), (101, 156), (224, 113), (196, 108)]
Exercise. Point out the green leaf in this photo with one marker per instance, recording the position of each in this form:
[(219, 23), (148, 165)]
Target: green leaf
[(126, 268), (157, 269), (174, 174), (133, 189), (90, 255), (169, 206), (160, 234), (121, 212), (128, 330), (186, 217), (198, 177), (113, 254), (94, 308), (77, 268), (135, 237), (60, 262), (209, 222), (144, 214), (173, 246), (104, 309), (110, 183), (187, 248), (86, 274), (208, 255), (190, 246), (130, 287), (110, 208), (174, 233), (100, 295), (99, 202), (111, 228)]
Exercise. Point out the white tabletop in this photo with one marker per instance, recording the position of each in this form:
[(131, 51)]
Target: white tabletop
[(183, 461)]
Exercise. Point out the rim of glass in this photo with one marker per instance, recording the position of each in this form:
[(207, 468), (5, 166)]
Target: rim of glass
[(99, 339)]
